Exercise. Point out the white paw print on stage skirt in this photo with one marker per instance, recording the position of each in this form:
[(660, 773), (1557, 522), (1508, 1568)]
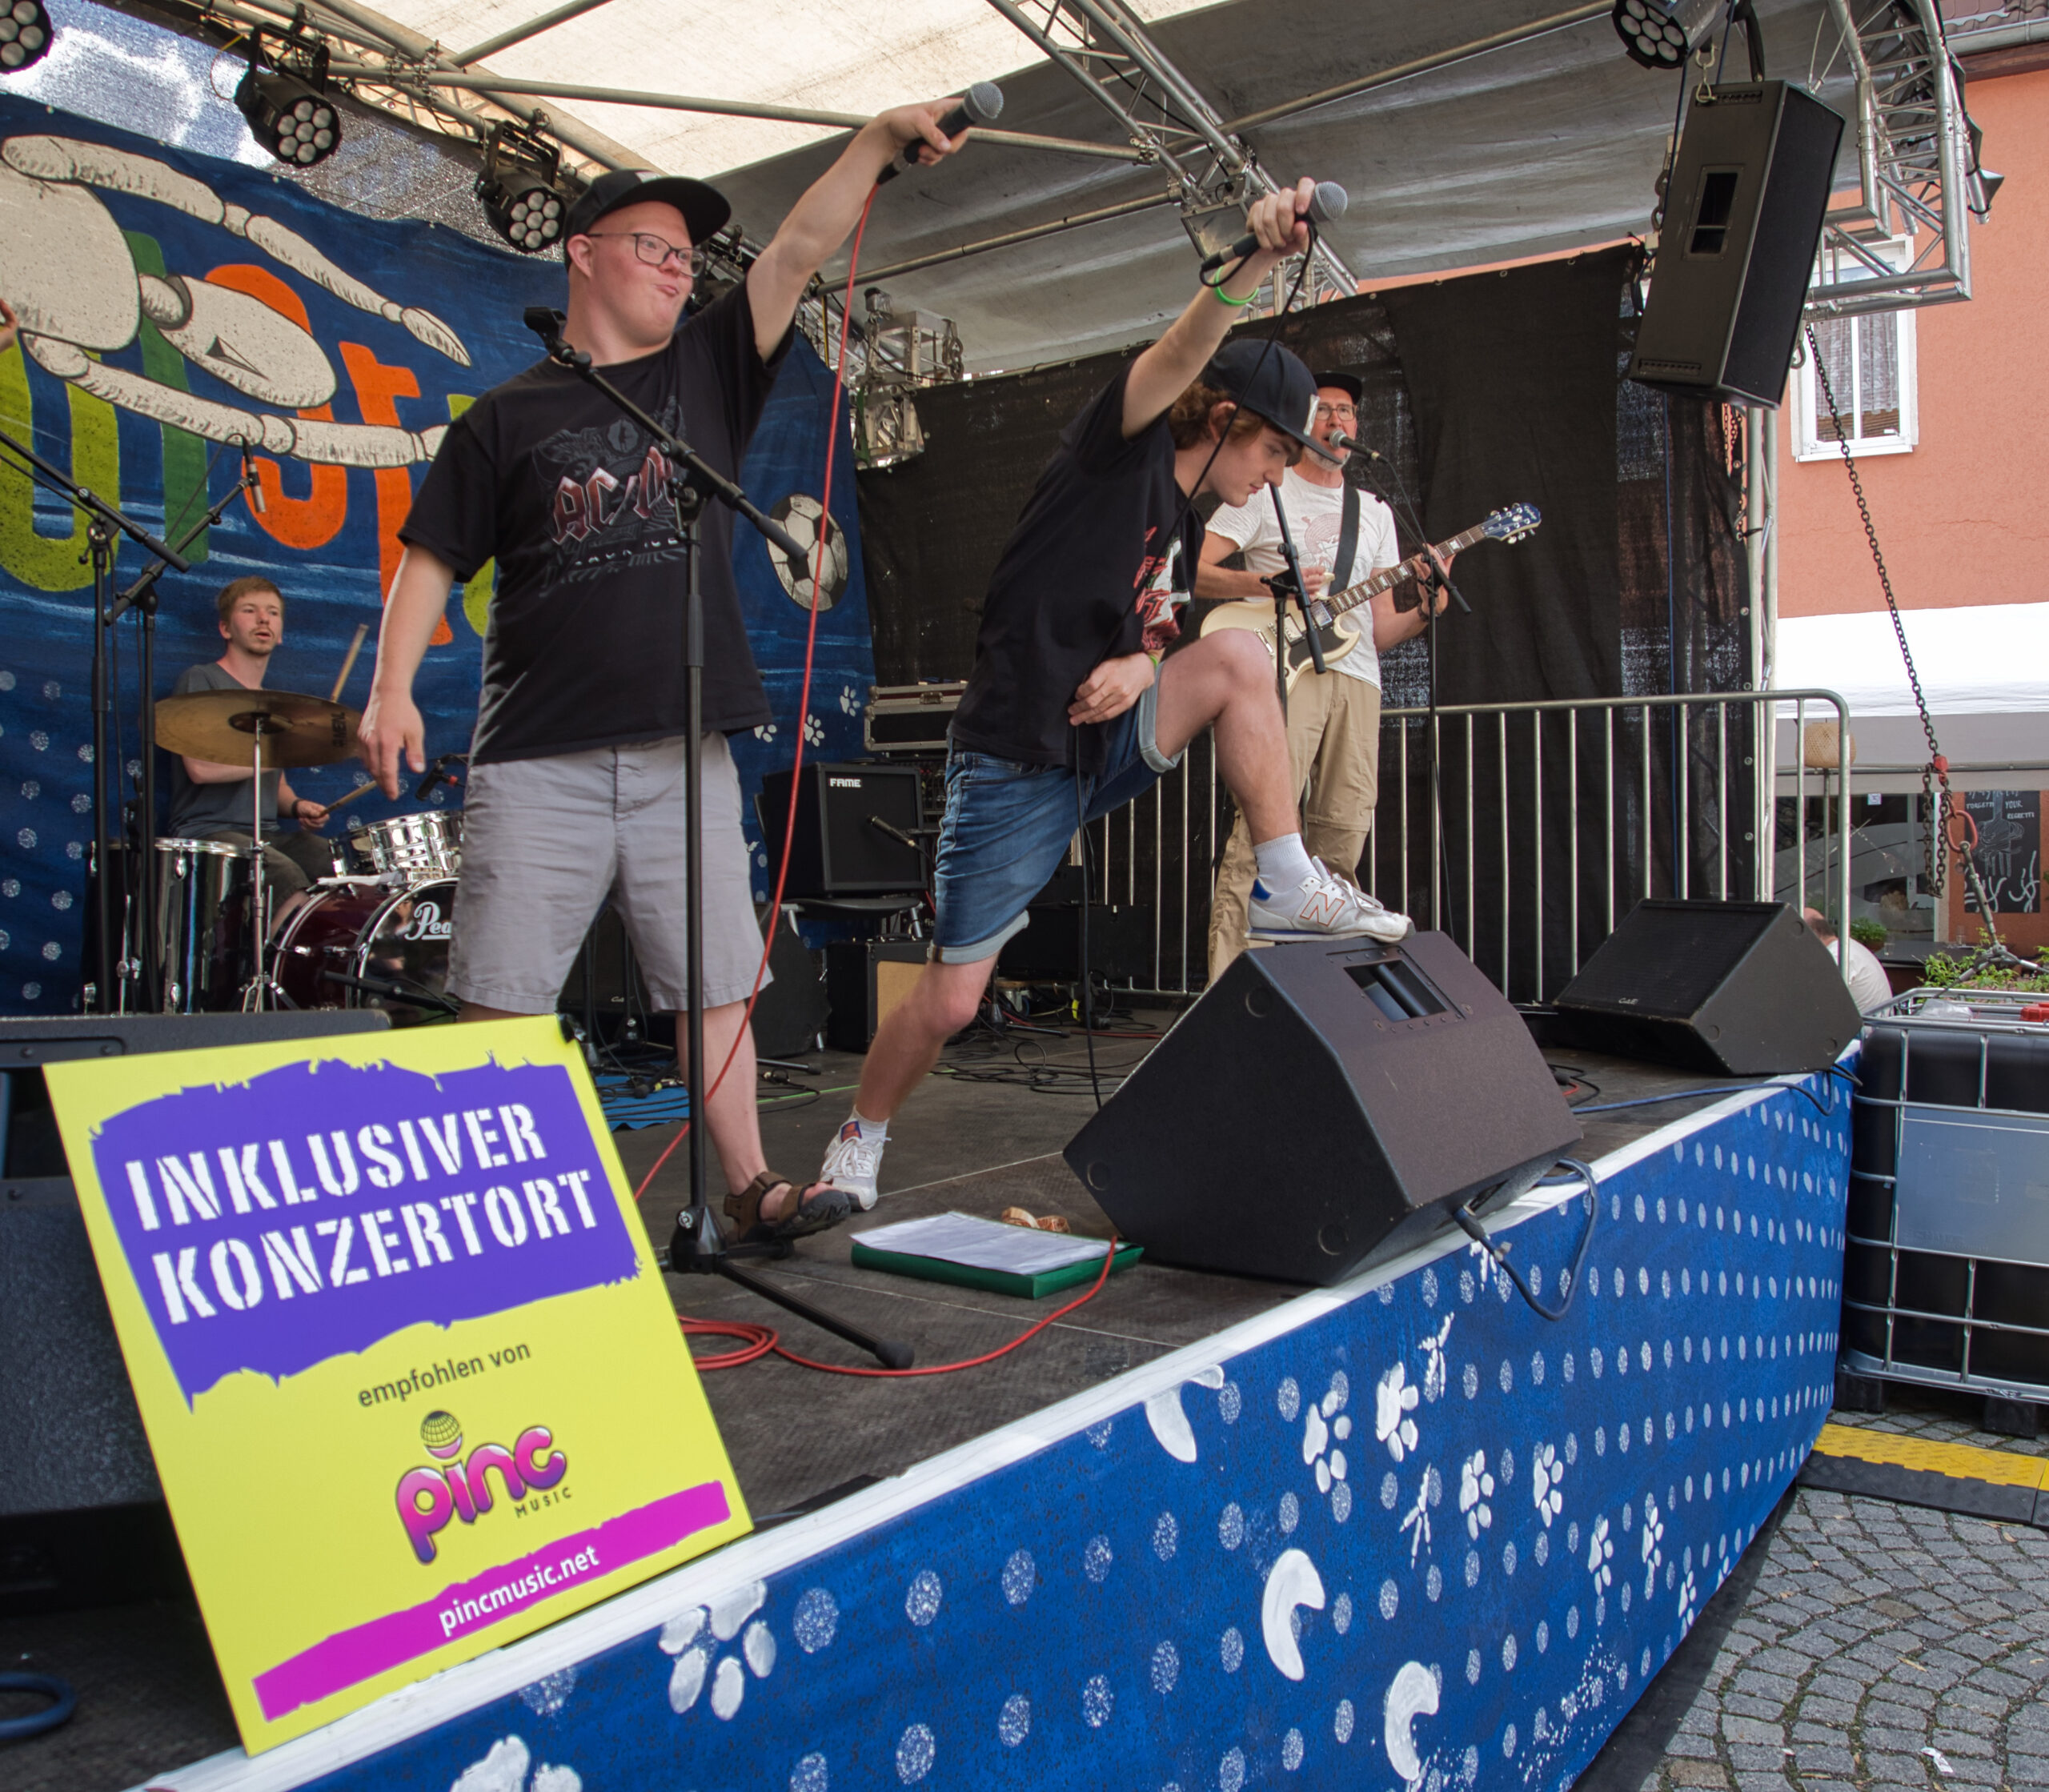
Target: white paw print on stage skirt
[(1327, 1426), (1545, 1471), (1394, 1399), (694, 1639), (1476, 1487), (504, 1770), (1600, 1555)]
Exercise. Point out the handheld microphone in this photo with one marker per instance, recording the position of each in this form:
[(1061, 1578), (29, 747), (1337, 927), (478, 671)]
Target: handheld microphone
[(1327, 204), (982, 105), (253, 485)]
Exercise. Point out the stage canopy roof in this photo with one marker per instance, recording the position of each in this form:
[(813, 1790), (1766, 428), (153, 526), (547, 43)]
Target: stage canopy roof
[(1548, 140)]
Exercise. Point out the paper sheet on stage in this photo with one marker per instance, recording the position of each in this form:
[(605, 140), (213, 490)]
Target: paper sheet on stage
[(980, 1244)]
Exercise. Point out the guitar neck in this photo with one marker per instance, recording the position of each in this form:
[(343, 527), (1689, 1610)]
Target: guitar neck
[(1368, 589)]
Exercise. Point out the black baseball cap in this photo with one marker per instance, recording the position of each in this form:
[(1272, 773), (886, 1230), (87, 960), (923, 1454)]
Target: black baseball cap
[(704, 208), (1346, 383), (1273, 383)]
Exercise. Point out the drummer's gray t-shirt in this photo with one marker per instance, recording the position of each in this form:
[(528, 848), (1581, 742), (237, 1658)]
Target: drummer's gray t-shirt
[(198, 811)]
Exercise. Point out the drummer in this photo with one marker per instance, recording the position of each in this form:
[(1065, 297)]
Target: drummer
[(210, 801)]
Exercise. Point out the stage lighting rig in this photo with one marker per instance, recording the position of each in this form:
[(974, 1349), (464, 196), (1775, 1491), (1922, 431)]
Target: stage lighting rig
[(522, 189), (288, 108), (25, 34), (1662, 33)]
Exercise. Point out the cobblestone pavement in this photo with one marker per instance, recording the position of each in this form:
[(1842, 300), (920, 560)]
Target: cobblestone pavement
[(1877, 1638)]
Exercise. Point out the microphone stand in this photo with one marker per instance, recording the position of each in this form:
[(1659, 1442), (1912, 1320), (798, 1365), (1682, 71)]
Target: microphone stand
[(696, 1248), (104, 522), (1284, 585), (142, 597)]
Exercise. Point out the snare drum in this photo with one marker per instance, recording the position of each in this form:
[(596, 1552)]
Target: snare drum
[(389, 937), (428, 844), (202, 891)]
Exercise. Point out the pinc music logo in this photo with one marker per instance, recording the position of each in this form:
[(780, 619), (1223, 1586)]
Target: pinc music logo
[(460, 1487)]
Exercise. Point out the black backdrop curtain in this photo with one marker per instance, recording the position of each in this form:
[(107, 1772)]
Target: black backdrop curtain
[(1481, 391)]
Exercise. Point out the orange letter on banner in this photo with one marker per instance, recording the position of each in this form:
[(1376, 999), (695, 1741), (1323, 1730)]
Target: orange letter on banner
[(376, 386), (316, 519)]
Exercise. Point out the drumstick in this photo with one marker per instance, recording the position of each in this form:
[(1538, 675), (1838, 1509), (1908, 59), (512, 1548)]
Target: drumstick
[(343, 802), (348, 664)]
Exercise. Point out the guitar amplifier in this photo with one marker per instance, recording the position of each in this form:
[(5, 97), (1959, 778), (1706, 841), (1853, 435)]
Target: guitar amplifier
[(910, 718)]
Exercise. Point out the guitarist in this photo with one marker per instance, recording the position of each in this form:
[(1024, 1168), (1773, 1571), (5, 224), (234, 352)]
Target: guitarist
[(1342, 535)]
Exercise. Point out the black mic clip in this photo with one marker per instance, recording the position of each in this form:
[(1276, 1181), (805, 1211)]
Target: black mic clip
[(546, 323)]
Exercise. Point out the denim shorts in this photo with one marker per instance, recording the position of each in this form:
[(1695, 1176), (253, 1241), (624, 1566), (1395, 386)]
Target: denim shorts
[(1008, 826)]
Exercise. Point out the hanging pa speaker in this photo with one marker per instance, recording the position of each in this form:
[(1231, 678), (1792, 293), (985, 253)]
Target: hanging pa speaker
[(1743, 215), (1323, 1106), (1733, 988)]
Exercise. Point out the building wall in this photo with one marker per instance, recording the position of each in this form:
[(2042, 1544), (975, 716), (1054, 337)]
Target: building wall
[(1961, 519)]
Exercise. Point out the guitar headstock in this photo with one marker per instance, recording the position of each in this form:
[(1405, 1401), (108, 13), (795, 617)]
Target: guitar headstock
[(1513, 523)]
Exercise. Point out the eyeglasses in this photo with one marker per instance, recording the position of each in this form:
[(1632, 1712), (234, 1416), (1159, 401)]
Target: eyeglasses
[(1336, 411), (655, 251)]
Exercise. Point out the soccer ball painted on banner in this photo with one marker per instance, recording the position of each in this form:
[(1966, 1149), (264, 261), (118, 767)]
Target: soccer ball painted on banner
[(800, 514)]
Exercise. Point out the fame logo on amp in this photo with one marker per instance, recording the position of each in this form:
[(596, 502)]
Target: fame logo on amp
[(460, 1487)]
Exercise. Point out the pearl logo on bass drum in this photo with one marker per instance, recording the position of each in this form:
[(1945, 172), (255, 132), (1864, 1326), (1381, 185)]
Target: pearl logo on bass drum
[(426, 924)]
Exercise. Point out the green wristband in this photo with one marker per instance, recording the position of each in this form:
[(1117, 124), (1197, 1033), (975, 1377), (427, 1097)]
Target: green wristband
[(1236, 304)]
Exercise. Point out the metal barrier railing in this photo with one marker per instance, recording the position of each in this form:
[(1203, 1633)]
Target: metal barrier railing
[(1588, 796)]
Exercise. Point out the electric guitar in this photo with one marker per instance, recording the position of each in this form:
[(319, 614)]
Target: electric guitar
[(1338, 636)]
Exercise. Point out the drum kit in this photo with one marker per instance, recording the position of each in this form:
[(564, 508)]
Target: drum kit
[(375, 935)]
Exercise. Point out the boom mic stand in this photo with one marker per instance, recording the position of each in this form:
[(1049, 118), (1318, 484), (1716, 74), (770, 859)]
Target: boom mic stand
[(141, 596), (696, 1248), (1284, 585), (105, 522)]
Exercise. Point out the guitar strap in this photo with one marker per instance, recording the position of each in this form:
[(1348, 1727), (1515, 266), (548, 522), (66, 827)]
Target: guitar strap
[(1347, 540)]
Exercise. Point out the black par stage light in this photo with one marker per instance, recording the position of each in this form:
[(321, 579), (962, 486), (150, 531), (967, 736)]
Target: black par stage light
[(287, 107), (25, 34), (1662, 33), (521, 188)]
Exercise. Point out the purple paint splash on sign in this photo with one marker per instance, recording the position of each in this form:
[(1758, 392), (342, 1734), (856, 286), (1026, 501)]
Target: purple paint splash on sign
[(263, 1239)]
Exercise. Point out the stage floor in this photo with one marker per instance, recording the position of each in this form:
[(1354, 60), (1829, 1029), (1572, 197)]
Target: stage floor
[(150, 1700)]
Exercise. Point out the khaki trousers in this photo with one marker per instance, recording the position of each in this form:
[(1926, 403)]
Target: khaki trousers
[(1334, 747)]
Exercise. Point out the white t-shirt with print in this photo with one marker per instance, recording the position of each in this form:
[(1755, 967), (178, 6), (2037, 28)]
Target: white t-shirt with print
[(1316, 515)]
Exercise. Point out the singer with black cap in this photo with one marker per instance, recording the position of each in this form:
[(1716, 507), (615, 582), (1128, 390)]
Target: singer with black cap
[(1071, 713), (1341, 535), (575, 787)]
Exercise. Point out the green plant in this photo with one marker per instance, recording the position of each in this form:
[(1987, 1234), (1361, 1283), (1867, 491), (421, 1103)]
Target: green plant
[(1868, 932), (1946, 972)]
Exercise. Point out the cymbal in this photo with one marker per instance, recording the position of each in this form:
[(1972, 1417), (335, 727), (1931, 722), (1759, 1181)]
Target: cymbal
[(222, 726)]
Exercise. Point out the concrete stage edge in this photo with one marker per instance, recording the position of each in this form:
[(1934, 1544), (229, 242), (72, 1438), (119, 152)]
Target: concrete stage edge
[(1402, 1532)]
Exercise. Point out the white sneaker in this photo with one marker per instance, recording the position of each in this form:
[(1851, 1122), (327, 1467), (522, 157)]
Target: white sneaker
[(1322, 907), (853, 1161)]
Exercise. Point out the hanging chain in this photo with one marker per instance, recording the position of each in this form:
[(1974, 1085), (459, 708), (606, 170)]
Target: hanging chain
[(1942, 810)]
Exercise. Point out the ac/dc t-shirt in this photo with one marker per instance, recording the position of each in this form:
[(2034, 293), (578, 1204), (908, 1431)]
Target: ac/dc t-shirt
[(1093, 570), (584, 645)]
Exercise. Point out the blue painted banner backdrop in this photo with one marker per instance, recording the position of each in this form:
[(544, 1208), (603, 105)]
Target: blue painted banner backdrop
[(173, 304)]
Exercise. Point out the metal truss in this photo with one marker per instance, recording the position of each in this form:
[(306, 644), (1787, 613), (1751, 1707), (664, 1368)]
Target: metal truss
[(1102, 45), (1914, 164)]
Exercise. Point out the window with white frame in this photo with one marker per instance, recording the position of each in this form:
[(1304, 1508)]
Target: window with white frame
[(1870, 366)]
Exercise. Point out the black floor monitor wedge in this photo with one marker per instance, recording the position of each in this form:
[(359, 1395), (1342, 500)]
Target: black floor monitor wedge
[(1322, 1107), (1732, 989)]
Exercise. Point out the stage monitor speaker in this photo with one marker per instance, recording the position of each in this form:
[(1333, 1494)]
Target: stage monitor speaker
[(790, 1013), (837, 849), (1743, 216), (1733, 988), (1322, 1107), (864, 979), (82, 1518)]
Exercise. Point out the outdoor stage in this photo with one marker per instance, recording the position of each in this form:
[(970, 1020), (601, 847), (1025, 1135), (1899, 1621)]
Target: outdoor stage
[(1403, 1530)]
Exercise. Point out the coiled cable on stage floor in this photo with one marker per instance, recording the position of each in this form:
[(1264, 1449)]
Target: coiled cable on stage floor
[(1468, 1222), (63, 1702), (761, 1340)]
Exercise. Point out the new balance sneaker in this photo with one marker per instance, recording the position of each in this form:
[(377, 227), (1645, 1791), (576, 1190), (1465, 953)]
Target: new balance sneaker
[(853, 1161), (1321, 906)]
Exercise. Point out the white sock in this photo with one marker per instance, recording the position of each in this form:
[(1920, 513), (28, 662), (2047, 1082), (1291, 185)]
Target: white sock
[(1282, 863), (870, 1128)]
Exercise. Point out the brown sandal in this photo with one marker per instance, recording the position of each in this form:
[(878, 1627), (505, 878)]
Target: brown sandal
[(826, 1209)]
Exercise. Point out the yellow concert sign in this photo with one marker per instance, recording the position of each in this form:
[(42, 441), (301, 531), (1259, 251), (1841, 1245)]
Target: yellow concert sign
[(407, 1366)]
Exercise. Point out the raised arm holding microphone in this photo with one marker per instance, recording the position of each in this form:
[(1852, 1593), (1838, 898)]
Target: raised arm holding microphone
[(1070, 712), (576, 776)]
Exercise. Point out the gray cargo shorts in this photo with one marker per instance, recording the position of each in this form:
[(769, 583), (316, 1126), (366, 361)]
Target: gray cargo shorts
[(545, 840)]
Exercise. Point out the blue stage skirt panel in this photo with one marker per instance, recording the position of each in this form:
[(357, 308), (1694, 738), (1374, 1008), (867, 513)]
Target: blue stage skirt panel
[(1402, 1533)]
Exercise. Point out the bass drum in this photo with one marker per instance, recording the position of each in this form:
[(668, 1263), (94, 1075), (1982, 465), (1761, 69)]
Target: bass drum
[(371, 942)]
